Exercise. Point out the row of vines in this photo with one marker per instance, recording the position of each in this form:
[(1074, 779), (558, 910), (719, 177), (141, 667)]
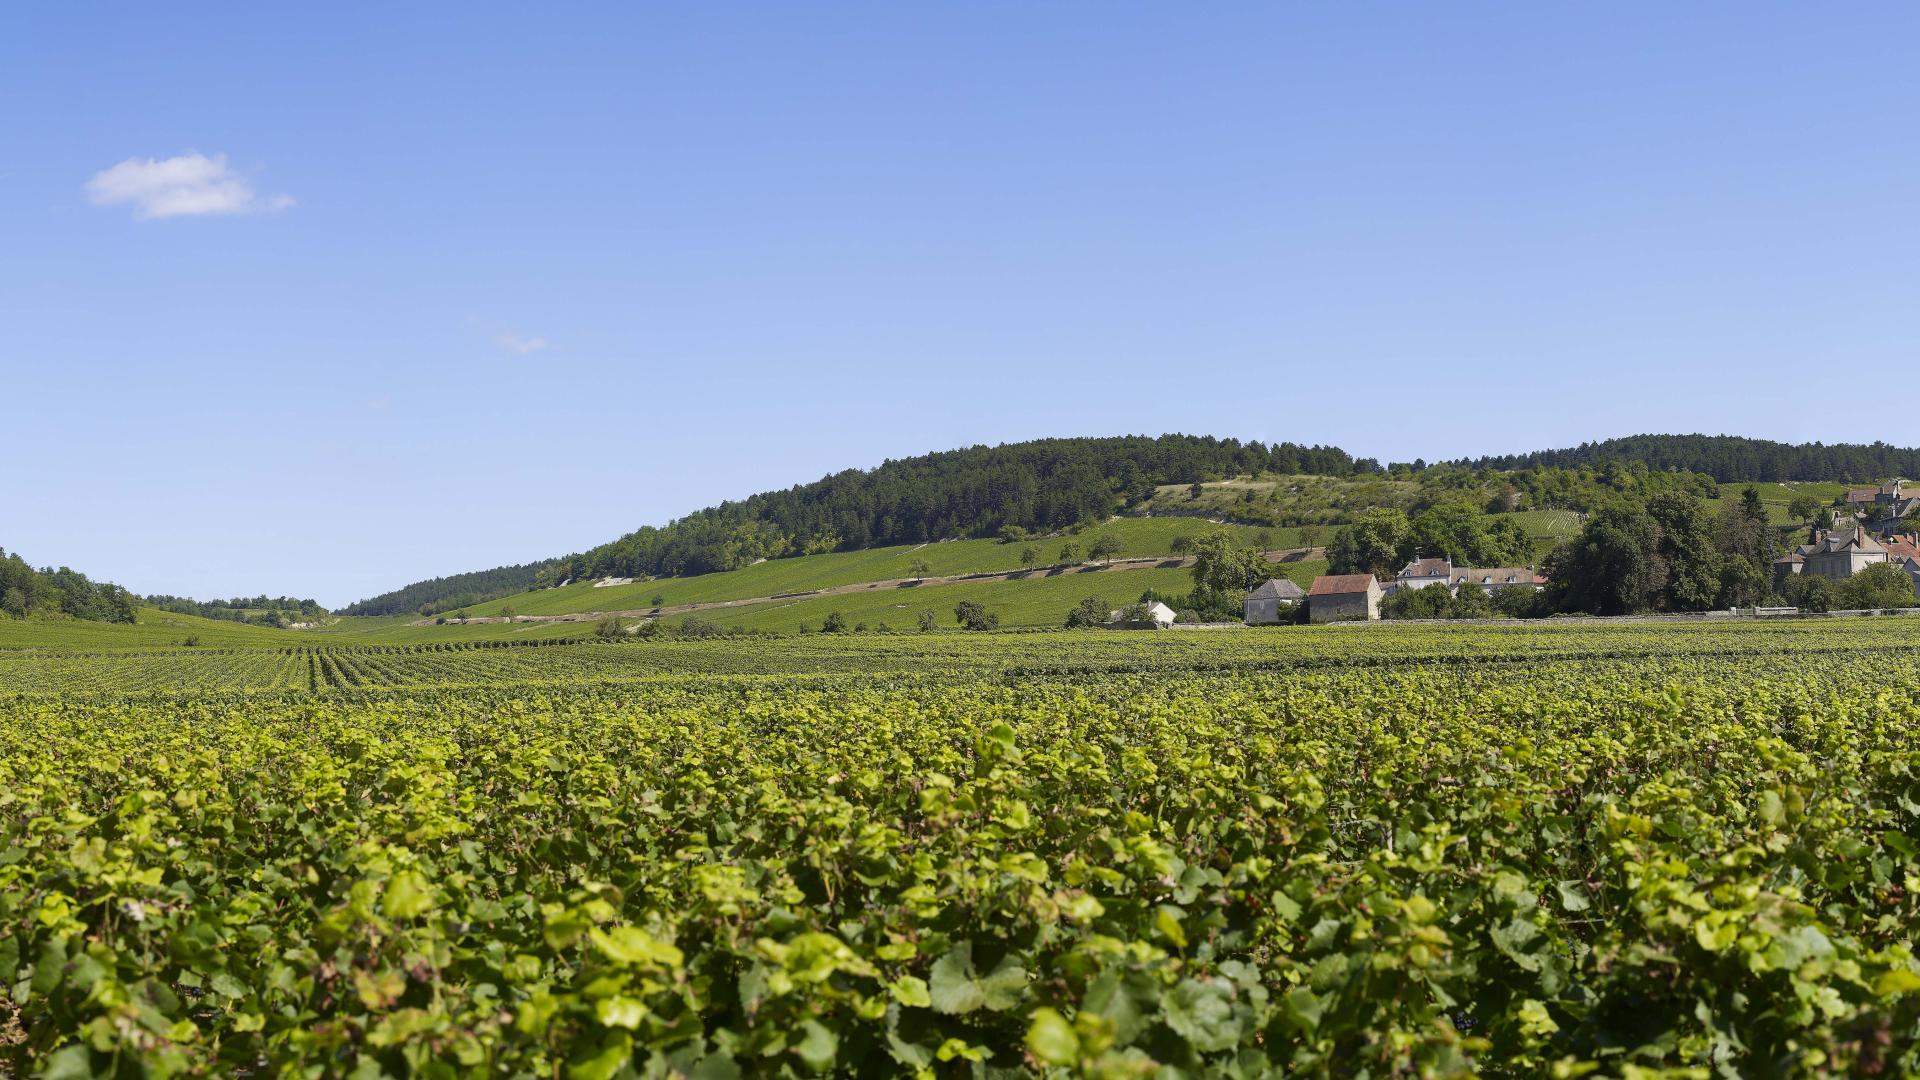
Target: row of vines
[(1446, 860)]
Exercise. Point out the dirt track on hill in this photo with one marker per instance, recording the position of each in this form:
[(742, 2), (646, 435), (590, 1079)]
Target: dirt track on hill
[(1115, 565)]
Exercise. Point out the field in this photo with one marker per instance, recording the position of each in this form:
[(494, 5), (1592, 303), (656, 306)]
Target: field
[(1568, 849)]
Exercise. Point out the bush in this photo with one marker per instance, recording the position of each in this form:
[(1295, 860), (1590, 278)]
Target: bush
[(610, 628), (927, 620), (835, 623), (695, 627), (1880, 585), (1089, 612), (1519, 602), (1809, 592), (1431, 602), (973, 615)]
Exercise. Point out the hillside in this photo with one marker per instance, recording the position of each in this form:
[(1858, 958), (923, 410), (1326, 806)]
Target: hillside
[(452, 591), (956, 498)]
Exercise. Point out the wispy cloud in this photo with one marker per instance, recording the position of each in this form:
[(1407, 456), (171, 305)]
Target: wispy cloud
[(190, 184), (519, 343)]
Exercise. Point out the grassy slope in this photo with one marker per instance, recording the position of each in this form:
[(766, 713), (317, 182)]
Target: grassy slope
[(152, 628), (1138, 537), (1776, 497), (1310, 498), (1038, 601)]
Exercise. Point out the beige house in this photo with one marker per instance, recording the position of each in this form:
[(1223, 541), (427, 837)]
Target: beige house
[(1341, 597), (1264, 600)]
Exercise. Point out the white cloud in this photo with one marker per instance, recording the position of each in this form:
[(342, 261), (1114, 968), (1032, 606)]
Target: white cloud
[(516, 343), (187, 185)]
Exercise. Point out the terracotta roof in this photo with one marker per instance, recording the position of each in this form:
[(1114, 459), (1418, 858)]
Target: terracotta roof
[(1340, 584), (1790, 557), (1857, 495), (1276, 589), (1902, 547)]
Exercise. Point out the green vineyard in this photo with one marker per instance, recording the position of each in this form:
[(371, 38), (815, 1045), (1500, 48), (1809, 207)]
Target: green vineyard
[(1582, 850)]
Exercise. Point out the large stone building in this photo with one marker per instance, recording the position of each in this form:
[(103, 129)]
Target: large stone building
[(1838, 554), (1263, 603), (1340, 597)]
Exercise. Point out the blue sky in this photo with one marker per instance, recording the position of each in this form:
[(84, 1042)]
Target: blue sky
[(456, 285)]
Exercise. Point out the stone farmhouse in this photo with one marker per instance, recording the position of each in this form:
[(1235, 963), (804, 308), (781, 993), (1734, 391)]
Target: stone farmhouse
[(1421, 573), (1264, 600), (1342, 597)]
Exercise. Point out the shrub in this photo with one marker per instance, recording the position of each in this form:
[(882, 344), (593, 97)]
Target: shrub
[(1092, 611), (974, 615)]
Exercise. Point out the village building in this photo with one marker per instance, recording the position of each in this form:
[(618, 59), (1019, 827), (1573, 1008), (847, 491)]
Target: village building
[(1263, 603), (1340, 597)]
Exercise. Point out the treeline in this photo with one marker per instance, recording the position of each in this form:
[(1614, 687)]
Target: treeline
[(280, 611), (1729, 458), (439, 594), (1041, 485), (25, 591)]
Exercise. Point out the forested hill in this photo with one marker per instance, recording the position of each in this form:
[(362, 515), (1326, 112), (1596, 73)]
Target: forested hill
[(447, 593), (1044, 484), (25, 591), (1728, 458)]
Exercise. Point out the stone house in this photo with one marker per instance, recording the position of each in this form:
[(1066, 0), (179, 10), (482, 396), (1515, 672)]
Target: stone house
[(1340, 597), (1263, 601)]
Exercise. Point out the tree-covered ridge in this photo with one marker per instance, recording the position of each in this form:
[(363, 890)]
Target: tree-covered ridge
[(446, 593), (25, 591), (977, 491), (1729, 458), (277, 611)]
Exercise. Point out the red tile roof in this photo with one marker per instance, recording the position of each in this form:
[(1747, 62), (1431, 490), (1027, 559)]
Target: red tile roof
[(1860, 495), (1340, 584)]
